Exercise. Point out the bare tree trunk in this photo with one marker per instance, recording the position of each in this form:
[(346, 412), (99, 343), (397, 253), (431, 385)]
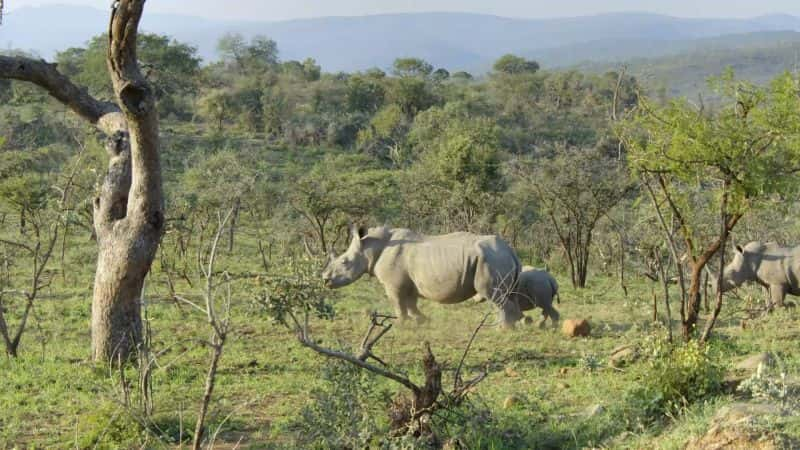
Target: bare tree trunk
[(199, 429), (128, 244), (693, 301), (724, 231), (234, 218), (673, 251), (128, 212), (622, 265)]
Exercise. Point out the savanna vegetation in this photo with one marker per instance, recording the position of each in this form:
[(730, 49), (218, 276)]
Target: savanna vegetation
[(198, 201)]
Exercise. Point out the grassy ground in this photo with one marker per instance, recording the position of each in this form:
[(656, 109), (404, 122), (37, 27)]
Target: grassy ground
[(52, 396)]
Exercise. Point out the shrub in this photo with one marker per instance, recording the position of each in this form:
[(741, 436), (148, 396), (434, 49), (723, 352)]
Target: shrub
[(343, 411), (765, 385), (109, 427), (675, 377)]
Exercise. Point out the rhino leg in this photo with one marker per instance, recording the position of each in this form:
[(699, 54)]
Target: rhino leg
[(411, 306), (400, 306), (777, 293), (544, 319), (549, 311)]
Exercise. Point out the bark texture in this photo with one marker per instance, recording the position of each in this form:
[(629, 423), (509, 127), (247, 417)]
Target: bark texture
[(128, 210)]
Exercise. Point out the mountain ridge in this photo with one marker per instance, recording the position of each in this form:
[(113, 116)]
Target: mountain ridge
[(456, 41)]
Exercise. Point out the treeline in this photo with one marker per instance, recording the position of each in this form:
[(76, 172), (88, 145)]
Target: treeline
[(530, 154), (304, 152)]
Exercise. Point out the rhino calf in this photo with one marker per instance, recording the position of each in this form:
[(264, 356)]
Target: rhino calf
[(537, 288), (768, 264)]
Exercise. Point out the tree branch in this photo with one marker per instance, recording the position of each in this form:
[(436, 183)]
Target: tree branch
[(137, 101), (106, 116), (306, 341)]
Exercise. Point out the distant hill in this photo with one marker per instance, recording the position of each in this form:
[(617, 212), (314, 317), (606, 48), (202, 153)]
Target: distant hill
[(683, 67), (456, 41)]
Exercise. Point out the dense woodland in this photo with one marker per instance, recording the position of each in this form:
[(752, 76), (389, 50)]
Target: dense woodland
[(302, 153), (268, 162)]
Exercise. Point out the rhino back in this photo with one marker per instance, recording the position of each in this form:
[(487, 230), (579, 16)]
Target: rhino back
[(537, 287), (443, 267), (778, 265)]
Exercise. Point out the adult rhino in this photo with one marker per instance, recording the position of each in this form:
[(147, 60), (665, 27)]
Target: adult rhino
[(537, 288), (447, 269), (768, 264)]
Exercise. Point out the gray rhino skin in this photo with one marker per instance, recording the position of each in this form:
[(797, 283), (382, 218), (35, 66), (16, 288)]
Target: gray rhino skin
[(537, 288), (768, 264), (447, 269)]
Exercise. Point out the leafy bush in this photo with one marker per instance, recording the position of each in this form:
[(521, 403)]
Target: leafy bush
[(675, 377), (296, 294), (109, 428), (343, 412), (764, 385)]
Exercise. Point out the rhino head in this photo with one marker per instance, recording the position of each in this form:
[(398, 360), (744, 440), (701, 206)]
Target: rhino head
[(739, 270), (357, 260)]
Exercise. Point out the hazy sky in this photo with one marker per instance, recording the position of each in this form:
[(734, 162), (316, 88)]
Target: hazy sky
[(289, 9)]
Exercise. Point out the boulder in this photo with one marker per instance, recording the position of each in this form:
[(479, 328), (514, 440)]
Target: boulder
[(576, 328)]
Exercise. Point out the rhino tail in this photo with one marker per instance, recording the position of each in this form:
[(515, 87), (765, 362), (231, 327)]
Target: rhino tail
[(554, 287)]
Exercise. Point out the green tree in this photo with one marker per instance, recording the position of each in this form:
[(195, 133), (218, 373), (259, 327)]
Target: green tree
[(575, 189), (440, 75), (515, 65), (311, 70), (412, 95), (339, 190), (217, 107), (231, 48), (171, 67), (695, 162), (412, 67), (384, 137), (260, 54), (364, 94), (456, 180)]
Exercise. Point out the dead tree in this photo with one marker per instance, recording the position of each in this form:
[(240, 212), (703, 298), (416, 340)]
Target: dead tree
[(128, 210), (40, 253), (219, 322), (407, 414), (40, 246)]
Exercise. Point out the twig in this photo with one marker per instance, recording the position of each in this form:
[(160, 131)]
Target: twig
[(457, 377)]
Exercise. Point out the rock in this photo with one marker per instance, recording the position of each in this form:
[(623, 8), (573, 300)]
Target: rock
[(752, 362), (562, 386), (594, 410), (512, 401), (576, 328), (623, 356), (563, 371), (736, 426)]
